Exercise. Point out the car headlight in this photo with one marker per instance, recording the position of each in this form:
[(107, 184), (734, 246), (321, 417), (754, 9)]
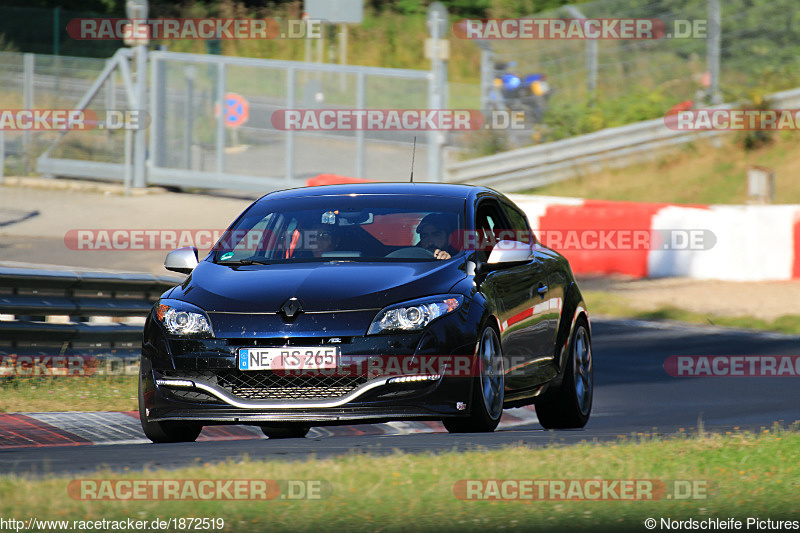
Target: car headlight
[(180, 318), (414, 315)]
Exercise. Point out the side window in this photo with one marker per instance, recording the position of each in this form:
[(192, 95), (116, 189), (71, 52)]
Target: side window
[(247, 243), (490, 227), (519, 223)]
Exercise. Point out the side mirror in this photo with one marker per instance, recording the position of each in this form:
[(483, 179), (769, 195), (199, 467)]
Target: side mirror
[(182, 260), (504, 254), (508, 253)]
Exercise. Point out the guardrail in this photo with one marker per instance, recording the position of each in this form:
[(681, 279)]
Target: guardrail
[(42, 311), (540, 165)]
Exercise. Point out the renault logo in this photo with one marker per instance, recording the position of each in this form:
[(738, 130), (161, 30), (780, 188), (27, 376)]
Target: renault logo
[(291, 308)]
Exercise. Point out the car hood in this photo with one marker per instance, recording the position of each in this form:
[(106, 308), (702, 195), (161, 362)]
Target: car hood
[(329, 286)]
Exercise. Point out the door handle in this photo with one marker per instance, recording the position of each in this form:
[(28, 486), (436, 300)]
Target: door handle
[(542, 290)]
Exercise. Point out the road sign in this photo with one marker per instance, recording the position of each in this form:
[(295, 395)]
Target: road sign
[(336, 11), (442, 48), (237, 110)]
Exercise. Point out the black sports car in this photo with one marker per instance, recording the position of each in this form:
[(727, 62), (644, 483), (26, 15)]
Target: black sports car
[(372, 302)]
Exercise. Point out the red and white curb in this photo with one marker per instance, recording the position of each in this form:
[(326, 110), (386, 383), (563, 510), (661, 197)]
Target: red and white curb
[(25, 430)]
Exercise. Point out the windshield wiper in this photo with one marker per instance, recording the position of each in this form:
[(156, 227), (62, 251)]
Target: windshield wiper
[(245, 262)]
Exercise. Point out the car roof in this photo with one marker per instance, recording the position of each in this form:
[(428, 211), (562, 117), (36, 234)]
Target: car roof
[(450, 190)]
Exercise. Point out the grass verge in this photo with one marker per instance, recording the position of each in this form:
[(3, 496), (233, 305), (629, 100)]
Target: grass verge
[(752, 475), (604, 303), (698, 173), (75, 393)]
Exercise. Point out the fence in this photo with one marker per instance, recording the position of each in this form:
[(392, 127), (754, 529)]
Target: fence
[(536, 166), (189, 146), (187, 134), (596, 84), (30, 81)]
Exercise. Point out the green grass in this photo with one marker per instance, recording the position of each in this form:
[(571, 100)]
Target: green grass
[(604, 303), (699, 173), (73, 393), (750, 475)]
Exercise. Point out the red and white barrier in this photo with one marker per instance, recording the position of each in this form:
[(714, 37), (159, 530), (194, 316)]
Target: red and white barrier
[(749, 242)]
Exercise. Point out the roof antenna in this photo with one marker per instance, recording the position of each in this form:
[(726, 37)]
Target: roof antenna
[(413, 155)]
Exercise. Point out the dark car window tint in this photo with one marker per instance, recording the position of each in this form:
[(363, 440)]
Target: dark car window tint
[(490, 226), (357, 227), (518, 222)]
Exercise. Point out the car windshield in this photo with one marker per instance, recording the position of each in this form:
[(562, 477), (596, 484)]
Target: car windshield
[(344, 228)]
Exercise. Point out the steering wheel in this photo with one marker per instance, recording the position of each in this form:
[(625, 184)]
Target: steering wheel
[(411, 252)]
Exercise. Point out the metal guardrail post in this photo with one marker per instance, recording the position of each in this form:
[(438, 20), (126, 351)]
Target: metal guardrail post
[(27, 99), (158, 112), (487, 76), (220, 117), (437, 99), (591, 68), (111, 88), (591, 56), (291, 76), (2, 155), (361, 98), (128, 161), (188, 117), (713, 42), (140, 136)]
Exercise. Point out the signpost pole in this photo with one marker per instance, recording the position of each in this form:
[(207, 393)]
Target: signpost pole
[(437, 97), (137, 13)]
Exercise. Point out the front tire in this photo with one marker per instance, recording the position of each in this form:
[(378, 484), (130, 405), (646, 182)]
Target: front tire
[(159, 432), (488, 389), (570, 405)]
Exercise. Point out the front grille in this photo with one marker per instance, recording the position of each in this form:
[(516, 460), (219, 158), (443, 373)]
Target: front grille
[(191, 396), (293, 393), (266, 385)]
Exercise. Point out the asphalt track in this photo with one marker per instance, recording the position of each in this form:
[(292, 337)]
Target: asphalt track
[(633, 394)]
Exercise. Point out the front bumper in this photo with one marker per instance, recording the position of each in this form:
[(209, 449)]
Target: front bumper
[(199, 380), (432, 402)]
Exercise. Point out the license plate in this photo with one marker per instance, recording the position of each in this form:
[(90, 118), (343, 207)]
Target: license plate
[(288, 358)]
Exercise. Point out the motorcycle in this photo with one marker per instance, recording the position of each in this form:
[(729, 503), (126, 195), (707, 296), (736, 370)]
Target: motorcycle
[(525, 97)]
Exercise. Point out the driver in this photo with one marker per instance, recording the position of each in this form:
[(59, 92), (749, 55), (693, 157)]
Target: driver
[(327, 239), (434, 235)]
